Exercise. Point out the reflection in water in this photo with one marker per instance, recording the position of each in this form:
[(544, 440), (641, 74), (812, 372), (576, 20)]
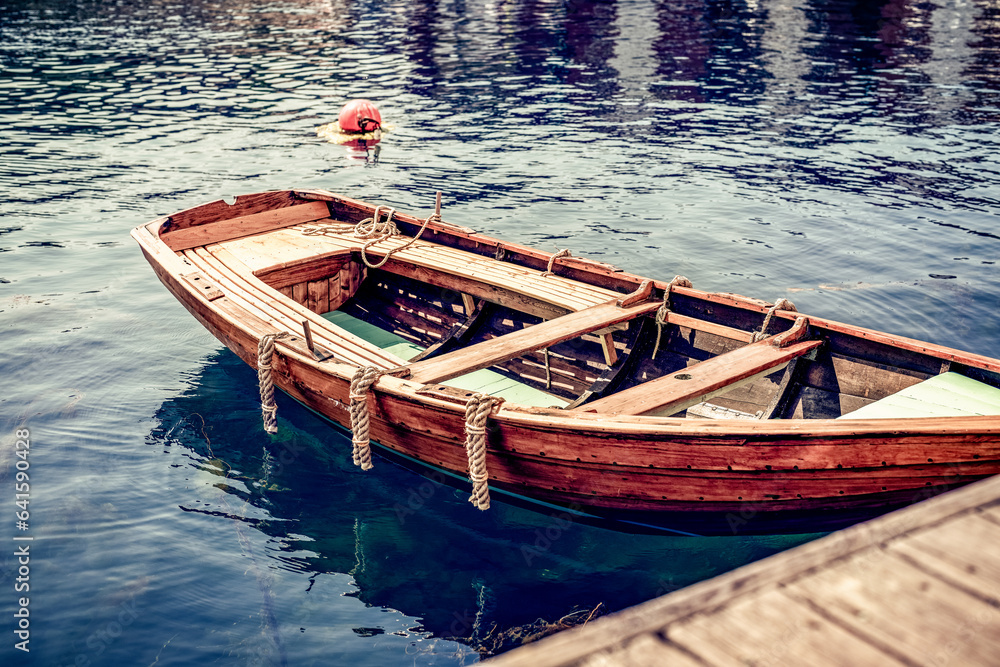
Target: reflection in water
[(414, 543)]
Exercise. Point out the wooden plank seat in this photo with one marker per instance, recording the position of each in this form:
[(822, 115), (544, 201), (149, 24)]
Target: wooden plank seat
[(289, 246), (697, 383), (946, 395), (536, 337)]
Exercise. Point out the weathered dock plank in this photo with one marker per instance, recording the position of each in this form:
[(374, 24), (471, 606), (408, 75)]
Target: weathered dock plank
[(920, 586)]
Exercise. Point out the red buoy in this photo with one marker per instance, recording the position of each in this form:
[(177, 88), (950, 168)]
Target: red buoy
[(359, 116)]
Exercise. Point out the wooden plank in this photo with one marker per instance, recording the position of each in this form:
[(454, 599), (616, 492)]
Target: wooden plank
[(955, 552), (892, 603), (325, 267), (318, 296), (221, 210), (709, 327), (246, 225), (487, 353), (643, 651), (772, 629), (200, 283), (695, 384), (299, 293), (610, 353), (858, 377), (469, 304)]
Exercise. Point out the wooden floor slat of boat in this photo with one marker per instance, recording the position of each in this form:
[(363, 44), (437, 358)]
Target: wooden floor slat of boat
[(291, 245), (286, 315)]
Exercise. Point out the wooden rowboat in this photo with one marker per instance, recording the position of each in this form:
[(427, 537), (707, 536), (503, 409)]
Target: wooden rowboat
[(644, 401)]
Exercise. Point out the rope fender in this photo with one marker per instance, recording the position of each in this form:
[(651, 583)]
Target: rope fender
[(477, 412), (363, 379), (265, 354)]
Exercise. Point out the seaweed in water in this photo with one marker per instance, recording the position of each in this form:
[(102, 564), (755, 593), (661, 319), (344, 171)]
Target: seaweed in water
[(496, 642)]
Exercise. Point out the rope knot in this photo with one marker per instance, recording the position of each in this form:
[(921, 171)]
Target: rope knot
[(477, 412), (372, 228), (363, 380), (663, 313)]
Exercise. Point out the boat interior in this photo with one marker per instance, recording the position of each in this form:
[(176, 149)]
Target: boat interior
[(467, 320)]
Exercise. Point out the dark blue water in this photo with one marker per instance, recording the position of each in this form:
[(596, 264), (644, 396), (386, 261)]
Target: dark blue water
[(842, 155)]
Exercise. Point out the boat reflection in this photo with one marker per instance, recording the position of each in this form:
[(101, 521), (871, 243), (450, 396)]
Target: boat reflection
[(414, 543)]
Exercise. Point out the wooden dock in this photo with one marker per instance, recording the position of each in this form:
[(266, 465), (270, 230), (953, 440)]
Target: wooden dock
[(920, 586)]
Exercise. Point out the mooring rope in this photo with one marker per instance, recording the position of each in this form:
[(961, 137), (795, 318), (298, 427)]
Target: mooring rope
[(552, 260), (663, 313), (364, 378), (780, 304), (372, 228), (477, 412), (265, 354)]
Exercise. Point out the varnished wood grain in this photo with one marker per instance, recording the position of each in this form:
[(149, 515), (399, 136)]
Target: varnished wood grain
[(246, 225)]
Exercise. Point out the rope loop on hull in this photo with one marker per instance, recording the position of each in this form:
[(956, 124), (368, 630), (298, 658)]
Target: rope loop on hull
[(363, 379), (552, 260), (780, 304), (663, 313), (477, 413), (265, 354)]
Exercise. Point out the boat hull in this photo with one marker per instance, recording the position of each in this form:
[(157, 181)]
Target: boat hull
[(699, 476)]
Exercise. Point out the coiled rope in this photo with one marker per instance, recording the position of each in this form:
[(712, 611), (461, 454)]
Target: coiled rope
[(379, 230), (265, 354), (363, 379), (664, 312), (552, 260), (780, 304), (477, 412)]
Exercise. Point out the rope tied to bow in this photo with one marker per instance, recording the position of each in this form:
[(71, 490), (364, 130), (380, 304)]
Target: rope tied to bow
[(477, 412), (780, 304), (363, 379), (552, 260), (379, 230), (265, 354), (664, 311)]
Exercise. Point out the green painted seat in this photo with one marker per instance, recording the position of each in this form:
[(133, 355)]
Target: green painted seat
[(485, 380), (945, 395)]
